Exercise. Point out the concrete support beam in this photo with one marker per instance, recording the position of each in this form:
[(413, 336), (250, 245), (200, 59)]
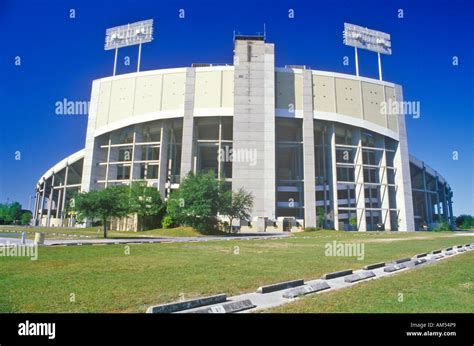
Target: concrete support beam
[(308, 152)]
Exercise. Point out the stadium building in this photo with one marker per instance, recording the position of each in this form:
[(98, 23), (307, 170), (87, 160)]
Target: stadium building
[(312, 146)]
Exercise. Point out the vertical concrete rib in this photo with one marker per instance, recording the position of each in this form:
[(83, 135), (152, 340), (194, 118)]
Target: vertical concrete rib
[(187, 150), (254, 124), (91, 150), (402, 176), (163, 170), (308, 152)]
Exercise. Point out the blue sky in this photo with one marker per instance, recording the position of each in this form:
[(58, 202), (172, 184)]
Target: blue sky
[(61, 56)]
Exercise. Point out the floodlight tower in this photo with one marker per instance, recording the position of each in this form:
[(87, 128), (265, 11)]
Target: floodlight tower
[(375, 41), (129, 35)]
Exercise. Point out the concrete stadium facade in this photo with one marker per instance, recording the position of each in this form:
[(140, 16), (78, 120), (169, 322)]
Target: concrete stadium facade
[(312, 146)]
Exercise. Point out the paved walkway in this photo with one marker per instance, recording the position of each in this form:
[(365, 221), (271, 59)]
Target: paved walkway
[(143, 240)]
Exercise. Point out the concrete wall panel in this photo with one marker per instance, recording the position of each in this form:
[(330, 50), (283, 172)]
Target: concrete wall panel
[(323, 94), (348, 97)]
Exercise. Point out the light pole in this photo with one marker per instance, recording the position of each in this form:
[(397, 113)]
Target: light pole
[(129, 35), (375, 41)]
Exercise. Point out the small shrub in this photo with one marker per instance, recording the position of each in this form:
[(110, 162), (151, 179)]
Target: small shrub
[(312, 229), (167, 222), (442, 227)]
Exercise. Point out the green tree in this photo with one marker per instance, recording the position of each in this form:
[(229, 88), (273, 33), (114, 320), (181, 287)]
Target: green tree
[(236, 205), (25, 218), (145, 201), (103, 204), (464, 222), (196, 202), (10, 212)]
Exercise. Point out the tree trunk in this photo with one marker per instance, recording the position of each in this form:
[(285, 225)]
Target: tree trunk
[(105, 227)]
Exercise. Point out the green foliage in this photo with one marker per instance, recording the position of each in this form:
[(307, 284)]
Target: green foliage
[(110, 202), (353, 222), (167, 222), (312, 229), (145, 201), (465, 222), (10, 212), (442, 227), (25, 218), (196, 202), (321, 217), (236, 205)]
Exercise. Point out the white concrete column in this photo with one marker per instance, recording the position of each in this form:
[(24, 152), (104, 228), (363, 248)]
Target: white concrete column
[(308, 152), (333, 176), (58, 205), (63, 208), (50, 201), (43, 196), (384, 190), (163, 169), (136, 153), (359, 183), (37, 199), (187, 148)]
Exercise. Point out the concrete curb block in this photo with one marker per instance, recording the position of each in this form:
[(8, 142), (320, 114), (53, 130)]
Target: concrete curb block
[(374, 266), (186, 305), (416, 262), (306, 289), (402, 260), (280, 286), (337, 274), (448, 249), (434, 252), (449, 253), (227, 308), (421, 255), (359, 276), (394, 268), (438, 256)]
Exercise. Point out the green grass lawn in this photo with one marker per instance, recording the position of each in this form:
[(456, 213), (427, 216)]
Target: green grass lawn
[(94, 233), (444, 287), (106, 279)]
